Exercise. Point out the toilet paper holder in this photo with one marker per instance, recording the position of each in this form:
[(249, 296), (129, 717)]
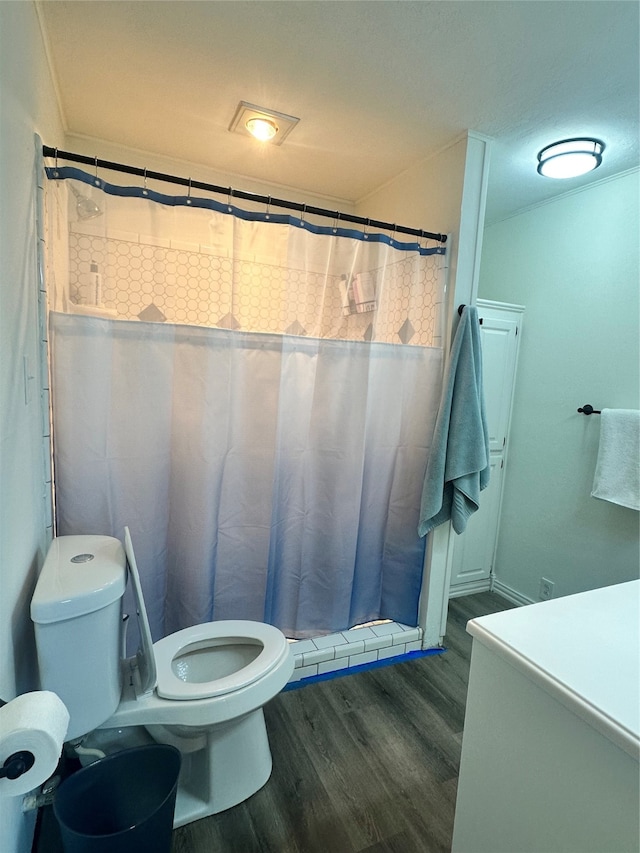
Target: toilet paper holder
[(17, 764)]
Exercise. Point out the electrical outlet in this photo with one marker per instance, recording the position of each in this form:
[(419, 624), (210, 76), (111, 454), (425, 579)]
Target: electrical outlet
[(546, 589)]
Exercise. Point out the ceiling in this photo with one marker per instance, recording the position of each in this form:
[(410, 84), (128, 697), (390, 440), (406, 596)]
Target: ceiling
[(378, 86)]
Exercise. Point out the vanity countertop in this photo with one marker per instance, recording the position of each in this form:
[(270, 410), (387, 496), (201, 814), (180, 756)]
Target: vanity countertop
[(582, 649)]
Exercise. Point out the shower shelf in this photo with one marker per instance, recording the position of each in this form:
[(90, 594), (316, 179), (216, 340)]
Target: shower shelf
[(361, 308)]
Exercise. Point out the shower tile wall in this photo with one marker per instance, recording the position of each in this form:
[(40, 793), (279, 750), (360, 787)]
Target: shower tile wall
[(145, 278)]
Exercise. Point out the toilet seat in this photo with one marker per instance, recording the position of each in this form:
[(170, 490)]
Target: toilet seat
[(152, 664), (217, 634)]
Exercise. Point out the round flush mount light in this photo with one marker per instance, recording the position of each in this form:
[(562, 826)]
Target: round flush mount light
[(261, 128), (570, 158)]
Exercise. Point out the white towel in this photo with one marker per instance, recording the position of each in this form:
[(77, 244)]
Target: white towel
[(617, 477)]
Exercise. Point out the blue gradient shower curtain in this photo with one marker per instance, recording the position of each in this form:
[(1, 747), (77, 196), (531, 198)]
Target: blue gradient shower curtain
[(262, 433)]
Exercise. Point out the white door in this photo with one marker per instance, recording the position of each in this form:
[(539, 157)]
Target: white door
[(499, 346), (473, 549)]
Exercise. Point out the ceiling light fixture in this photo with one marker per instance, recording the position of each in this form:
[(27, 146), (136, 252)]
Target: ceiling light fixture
[(570, 158), (260, 123), (262, 128)]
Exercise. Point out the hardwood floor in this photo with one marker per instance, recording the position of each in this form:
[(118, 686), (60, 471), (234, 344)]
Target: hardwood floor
[(364, 763)]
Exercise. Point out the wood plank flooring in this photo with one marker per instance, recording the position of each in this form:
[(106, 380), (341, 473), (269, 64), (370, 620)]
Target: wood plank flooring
[(364, 763)]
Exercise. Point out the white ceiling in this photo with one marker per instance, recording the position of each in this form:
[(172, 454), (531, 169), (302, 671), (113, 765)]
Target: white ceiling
[(378, 86)]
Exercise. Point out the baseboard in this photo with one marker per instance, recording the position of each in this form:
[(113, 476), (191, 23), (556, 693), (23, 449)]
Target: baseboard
[(511, 594), (469, 588)]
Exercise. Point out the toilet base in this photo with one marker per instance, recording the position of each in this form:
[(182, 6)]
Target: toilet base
[(233, 761)]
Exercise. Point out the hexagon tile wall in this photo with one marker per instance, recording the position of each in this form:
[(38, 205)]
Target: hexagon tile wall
[(141, 281)]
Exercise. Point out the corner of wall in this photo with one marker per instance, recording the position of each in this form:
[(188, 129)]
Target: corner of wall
[(28, 103)]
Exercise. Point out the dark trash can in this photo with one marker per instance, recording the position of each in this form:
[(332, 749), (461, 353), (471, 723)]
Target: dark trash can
[(122, 803)]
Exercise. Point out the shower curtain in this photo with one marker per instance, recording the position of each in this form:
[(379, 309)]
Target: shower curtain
[(253, 394)]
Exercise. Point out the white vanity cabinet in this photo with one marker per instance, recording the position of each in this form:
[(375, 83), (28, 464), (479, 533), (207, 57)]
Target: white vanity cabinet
[(473, 551), (552, 728)]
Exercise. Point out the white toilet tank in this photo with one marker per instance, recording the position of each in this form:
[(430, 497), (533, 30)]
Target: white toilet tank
[(77, 612)]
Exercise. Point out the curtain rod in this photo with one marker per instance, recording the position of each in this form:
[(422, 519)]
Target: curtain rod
[(230, 192)]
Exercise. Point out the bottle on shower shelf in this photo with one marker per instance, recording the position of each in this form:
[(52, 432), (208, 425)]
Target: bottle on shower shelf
[(345, 292), (95, 284)]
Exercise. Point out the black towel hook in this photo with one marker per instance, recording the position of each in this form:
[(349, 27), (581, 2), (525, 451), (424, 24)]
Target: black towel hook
[(461, 309)]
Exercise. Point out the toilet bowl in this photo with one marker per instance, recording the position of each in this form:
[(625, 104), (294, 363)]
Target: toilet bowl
[(201, 689)]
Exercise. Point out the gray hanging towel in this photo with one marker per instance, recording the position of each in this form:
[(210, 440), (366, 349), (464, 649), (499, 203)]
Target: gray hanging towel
[(458, 464)]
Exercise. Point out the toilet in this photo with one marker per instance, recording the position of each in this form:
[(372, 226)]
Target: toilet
[(201, 689)]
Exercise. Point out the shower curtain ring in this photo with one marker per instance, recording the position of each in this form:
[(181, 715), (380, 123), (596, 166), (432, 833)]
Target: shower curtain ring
[(268, 205), (335, 222), (55, 164), (189, 193), (304, 212), (229, 197), (364, 230), (96, 179), (145, 191)]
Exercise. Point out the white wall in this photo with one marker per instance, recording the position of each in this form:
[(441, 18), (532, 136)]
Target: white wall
[(92, 147), (27, 106), (444, 193), (574, 264), (427, 196)]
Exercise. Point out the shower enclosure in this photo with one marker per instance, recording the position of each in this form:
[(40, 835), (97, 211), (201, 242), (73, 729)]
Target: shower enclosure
[(252, 393)]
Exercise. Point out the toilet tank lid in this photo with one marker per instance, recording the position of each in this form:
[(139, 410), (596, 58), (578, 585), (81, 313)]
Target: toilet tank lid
[(80, 575)]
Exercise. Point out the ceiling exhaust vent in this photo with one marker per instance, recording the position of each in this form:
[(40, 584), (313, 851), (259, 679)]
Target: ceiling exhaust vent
[(260, 123)]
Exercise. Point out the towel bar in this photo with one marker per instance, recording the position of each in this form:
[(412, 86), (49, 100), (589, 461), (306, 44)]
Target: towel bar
[(588, 409)]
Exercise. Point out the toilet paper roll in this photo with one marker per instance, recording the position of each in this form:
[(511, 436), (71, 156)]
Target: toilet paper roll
[(34, 722)]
